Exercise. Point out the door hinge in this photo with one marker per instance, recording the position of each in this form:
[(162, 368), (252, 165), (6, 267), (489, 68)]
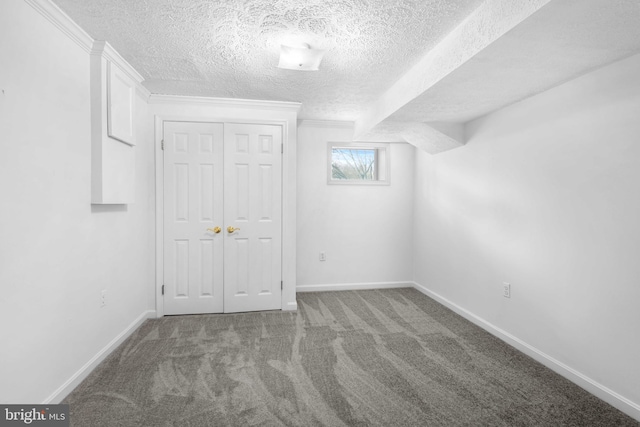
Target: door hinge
[(162, 144), (281, 148), (281, 285), (162, 289)]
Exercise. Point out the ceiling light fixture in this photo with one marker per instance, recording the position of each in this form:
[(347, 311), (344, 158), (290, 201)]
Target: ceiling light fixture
[(300, 58)]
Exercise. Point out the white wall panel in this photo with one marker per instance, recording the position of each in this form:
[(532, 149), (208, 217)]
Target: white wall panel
[(545, 196), (60, 252), (365, 231)]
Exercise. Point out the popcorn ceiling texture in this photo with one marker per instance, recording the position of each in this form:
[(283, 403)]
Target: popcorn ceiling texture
[(230, 48), (391, 66)]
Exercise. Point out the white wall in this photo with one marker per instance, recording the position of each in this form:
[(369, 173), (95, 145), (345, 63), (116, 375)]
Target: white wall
[(546, 196), (365, 231), (57, 252)]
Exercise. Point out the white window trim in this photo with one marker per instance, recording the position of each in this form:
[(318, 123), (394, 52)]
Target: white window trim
[(384, 163)]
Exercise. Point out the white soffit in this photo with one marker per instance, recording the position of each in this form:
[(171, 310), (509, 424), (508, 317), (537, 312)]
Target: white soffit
[(557, 42), (433, 138), (561, 41), (484, 26)]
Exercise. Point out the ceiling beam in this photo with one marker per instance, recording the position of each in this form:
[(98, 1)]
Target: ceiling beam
[(433, 138), (486, 24)]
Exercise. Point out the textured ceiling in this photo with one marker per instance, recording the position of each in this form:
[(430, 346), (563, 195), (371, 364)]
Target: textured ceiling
[(405, 70), (230, 48)]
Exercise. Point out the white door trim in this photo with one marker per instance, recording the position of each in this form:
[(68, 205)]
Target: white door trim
[(289, 136)]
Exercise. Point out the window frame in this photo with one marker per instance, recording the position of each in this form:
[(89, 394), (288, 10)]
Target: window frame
[(383, 160)]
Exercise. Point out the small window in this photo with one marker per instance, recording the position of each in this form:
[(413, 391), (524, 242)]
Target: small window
[(358, 163)]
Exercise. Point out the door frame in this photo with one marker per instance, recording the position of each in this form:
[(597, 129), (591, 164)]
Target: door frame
[(194, 109)]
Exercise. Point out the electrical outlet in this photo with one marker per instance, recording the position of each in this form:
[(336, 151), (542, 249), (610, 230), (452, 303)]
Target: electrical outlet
[(506, 289), (323, 256), (103, 298)]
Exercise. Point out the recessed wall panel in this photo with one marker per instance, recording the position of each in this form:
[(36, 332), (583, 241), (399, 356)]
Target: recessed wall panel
[(206, 267), (242, 266), (266, 144), (266, 266), (181, 174), (206, 143), (181, 142), (206, 192), (120, 115), (242, 192), (242, 143), (182, 268), (266, 192)]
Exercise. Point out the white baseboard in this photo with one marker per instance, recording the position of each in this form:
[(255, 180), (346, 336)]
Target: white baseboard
[(291, 306), (83, 372), (353, 286), (611, 397)]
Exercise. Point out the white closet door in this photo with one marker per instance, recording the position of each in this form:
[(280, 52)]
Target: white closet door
[(253, 207), (193, 203)]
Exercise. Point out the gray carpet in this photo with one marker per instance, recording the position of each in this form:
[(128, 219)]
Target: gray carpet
[(358, 358)]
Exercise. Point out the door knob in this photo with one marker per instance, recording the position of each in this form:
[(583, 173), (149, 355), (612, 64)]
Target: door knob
[(215, 230), (231, 229)]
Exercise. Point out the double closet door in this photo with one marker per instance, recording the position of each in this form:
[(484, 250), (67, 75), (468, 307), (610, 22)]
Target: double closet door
[(222, 217)]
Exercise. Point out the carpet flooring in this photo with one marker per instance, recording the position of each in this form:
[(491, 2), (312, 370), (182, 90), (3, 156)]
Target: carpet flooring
[(389, 357)]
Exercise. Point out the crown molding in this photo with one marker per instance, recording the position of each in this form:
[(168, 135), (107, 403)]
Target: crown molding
[(225, 102), (63, 22), (326, 124), (143, 92), (104, 49)]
